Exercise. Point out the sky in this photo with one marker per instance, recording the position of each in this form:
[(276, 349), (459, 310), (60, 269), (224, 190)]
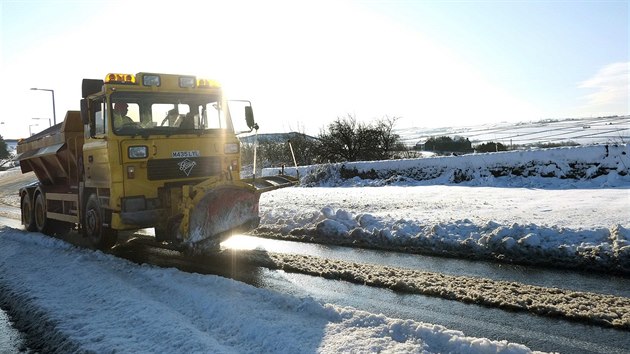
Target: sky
[(304, 64)]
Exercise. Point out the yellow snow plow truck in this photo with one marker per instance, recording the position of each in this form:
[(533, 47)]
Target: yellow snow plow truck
[(146, 150)]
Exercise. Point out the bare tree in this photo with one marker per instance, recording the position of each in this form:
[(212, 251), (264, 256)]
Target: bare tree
[(340, 143), (389, 140), (349, 140)]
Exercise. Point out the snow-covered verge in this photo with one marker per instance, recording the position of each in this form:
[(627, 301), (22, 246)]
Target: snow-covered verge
[(570, 164), (77, 300), (566, 207)]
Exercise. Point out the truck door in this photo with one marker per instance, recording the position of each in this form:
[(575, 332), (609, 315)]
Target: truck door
[(96, 155)]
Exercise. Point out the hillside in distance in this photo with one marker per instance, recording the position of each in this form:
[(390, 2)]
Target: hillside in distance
[(583, 131)]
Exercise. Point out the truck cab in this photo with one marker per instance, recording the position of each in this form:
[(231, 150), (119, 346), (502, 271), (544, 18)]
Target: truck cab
[(145, 135)]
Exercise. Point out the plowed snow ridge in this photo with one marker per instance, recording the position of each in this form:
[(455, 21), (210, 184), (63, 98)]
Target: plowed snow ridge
[(600, 309)]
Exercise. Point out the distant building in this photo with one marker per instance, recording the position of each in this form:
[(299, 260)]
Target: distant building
[(420, 145)]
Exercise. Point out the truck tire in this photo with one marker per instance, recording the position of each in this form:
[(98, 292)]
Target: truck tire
[(39, 213), (100, 236), (168, 232), (161, 234), (28, 214)]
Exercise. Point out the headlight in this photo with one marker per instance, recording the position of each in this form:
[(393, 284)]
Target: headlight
[(231, 148), (138, 152), (151, 80), (187, 81)]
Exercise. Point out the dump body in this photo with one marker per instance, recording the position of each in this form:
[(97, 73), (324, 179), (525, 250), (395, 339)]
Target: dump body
[(53, 154), (146, 150)]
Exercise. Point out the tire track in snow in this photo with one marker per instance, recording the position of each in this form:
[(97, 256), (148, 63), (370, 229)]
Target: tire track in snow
[(598, 309)]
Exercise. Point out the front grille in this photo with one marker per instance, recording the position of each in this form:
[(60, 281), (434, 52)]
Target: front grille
[(190, 167)]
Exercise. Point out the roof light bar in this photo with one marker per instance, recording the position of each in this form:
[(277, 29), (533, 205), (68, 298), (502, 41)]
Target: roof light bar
[(205, 83)]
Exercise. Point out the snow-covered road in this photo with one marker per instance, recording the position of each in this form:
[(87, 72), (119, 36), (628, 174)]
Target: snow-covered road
[(82, 300), (606, 310)]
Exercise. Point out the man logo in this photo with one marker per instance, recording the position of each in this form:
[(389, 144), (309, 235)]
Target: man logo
[(186, 166)]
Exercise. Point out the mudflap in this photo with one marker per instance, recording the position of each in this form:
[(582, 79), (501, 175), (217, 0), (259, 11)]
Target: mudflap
[(218, 214)]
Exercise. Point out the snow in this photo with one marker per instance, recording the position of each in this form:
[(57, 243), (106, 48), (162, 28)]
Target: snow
[(594, 308), (561, 206), (88, 301), (568, 207)]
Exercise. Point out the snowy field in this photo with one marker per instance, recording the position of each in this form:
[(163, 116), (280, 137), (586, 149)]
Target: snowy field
[(571, 205), (584, 131), (566, 207)]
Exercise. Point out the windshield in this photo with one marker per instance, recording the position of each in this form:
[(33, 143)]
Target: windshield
[(151, 113)]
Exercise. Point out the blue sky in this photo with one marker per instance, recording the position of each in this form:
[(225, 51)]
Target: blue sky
[(303, 64), (539, 50)]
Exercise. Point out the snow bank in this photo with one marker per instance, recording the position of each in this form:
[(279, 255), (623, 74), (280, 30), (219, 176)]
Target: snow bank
[(606, 310), (564, 207), (572, 163), (600, 249), (79, 300)]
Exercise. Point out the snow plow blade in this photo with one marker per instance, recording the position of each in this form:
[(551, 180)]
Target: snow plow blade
[(217, 210), (269, 183)]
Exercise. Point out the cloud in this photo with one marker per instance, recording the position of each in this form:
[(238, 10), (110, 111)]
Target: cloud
[(610, 86)]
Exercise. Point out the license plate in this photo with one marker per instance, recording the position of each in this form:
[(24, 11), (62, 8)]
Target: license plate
[(182, 154)]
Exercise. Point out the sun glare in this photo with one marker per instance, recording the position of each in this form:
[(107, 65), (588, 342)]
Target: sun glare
[(241, 242)]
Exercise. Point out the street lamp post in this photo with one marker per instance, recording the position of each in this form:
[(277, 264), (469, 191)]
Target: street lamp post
[(53, 98)]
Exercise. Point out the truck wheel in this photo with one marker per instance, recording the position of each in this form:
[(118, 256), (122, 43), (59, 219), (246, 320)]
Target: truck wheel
[(41, 221), (100, 237), (168, 232), (161, 233), (28, 216)]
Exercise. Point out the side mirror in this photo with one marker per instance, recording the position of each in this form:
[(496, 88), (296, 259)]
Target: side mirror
[(85, 117), (90, 87), (249, 118)]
